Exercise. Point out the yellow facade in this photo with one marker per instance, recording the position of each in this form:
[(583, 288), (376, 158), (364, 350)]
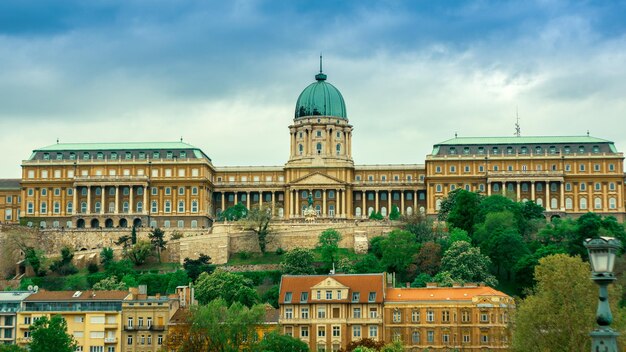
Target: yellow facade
[(10, 200), (145, 321), (94, 318)]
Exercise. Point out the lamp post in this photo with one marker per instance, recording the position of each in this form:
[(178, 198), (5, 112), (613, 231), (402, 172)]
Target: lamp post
[(602, 253)]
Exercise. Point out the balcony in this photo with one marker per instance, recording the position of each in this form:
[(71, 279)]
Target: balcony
[(110, 340), (111, 178), (528, 175), (157, 327)]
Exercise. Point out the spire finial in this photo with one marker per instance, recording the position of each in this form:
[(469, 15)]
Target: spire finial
[(320, 62), (587, 133), (181, 138), (518, 129), (455, 135), (57, 140)]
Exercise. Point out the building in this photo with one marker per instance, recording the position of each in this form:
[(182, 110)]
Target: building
[(329, 311), (459, 318), (94, 318), (145, 320), (10, 199), (174, 184), (10, 305)]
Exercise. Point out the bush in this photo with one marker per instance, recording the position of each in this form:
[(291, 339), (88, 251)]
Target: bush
[(376, 216), (245, 255), (93, 278), (260, 277), (280, 251), (92, 268)]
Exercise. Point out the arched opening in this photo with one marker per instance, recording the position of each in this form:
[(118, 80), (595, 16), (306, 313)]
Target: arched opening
[(383, 211), (108, 223), (539, 201), (95, 223), (357, 211), (319, 148), (80, 223), (281, 212), (409, 211), (137, 222), (554, 203), (123, 223), (318, 209), (370, 210), (422, 210)]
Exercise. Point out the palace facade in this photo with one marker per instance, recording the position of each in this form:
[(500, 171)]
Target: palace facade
[(174, 184)]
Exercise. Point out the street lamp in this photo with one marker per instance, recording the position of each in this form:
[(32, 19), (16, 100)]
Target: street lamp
[(602, 253)]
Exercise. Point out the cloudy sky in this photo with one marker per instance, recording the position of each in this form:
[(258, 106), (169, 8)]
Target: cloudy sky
[(225, 75)]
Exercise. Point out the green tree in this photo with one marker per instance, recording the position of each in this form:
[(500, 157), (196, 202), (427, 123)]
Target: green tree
[(505, 249), (51, 332), (278, 342), (298, 261), (367, 264), (375, 246), (525, 267), (376, 216), (393, 347), (399, 250), (365, 344), (234, 213), (106, 256), (120, 268), (228, 286), (258, 220), (328, 245), (124, 241), (421, 226), (12, 348), (195, 267), (421, 280), (464, 211), (35, 259), (218, 327), (133, 235), (465, 263), (64, 265), (394, 214), (157, 239), (560, 313), (271, 296), (110, 283), (139, 252)]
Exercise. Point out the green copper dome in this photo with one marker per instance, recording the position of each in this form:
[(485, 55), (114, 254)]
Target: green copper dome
[(321, 98)]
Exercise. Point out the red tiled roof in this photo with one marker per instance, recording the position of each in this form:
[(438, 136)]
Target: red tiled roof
[(362, 283), (47, 296), (440, 293)]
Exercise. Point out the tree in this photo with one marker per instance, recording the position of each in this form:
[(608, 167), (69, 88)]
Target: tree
[(271, 296), (364, 343), (465, 263), (64, 265), (51, 332), (12, 348), (429, 258), (367, 264), (278, 342), (109, 283), (464, 211), (393, 347), (328, 245), (133, 235), (422, 227), (525, 267), (560, 313), (399, 250), (157, 239), (258, 220), (35, 259), (376, 216), (195, 267), (234, 213), (227, 286), (421, 280), (124, 241), (298, 261), (505, 249), (216, 327), (394, 214), (139, 252), (106, 256)]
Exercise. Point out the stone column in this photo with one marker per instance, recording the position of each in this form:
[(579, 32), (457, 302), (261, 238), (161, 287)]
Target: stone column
[(504, 189), (248, 200), (376, 206), (343, 203), (89, 200), (488, 188), (415, 202), (130, 200), (74, 200), (548, 207), (562, 201), (260, 199), (223, 196), (576, 201), (273, 202), (389, 202), (296, 202), (619, 196), (532, 190), (117, 200), (402, 202), (102, 198), (323, 202), (145, 200), (363, 200), (519, 190)]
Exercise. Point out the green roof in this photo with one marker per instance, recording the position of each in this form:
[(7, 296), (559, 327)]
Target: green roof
[(522, 140), (116, 146), (321, 99)]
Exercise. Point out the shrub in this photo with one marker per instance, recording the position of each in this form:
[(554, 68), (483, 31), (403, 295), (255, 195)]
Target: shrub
[(92, 267), (280, 251)]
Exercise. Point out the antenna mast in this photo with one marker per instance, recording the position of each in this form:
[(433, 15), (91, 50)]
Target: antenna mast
[(518, 129)]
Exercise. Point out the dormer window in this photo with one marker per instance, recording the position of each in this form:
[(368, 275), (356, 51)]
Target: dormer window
[(355, 296), (183, 155), (596, 149), (59, 156), (552, 149), (142, 155), (304, 296), (581, 148), (481, 150), (86, 156), (288, 297), (452, 150), (114, 156), (524, 150), (46, 156), (509, 150), (128, 155), (156, 155), (170, 155), (494, 150), (72, 156), (371, 297), (99, 155), (466, 150)]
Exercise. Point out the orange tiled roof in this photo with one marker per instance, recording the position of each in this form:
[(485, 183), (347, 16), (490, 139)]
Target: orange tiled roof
[(362, 283), (440, 293), (47, 296)]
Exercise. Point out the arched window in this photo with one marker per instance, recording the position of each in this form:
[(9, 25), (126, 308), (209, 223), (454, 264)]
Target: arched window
[(438, 204), (370, 210), (331, 210), (194, 206), (304, 194), (612, 203), (553, 187), (97, 207), (140, 191), (583, 203), (125, 207), (98, 191), (409, 211), (496, 187), (111, 207), (83, 207), (415, 337), (181, 206), (139, 206), (331, 194), (524, 187), (569, 204), (554, 203), (438, 188), (597, 203), (319, 148), (338, 149), (154, 208), (56, 207), (539, 187), (318, 209), (281, 212), (69, 207), (318, 194), (383, 211), (539, 201), (357, 211)]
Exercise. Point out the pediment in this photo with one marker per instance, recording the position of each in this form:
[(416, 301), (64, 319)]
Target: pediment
[(329, 283), (317, 179)]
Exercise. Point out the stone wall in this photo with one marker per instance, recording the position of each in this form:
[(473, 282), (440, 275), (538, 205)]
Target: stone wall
[(219, 242)]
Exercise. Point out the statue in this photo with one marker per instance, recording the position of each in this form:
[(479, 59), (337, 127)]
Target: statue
[(309, 213), (310, 198)]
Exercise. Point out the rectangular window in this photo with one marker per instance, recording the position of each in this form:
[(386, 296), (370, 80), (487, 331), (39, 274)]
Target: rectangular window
[(288, 313), (373, 331), (430, 336), (304, 313), (321, 331), (304, 331), (430, 316), (321, 313), (356, 331), (356, 312), (329, 294), (371, 297), (336, 331)]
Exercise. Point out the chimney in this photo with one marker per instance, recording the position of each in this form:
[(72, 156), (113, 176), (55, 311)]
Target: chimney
[(431, 285), (143, 289)]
